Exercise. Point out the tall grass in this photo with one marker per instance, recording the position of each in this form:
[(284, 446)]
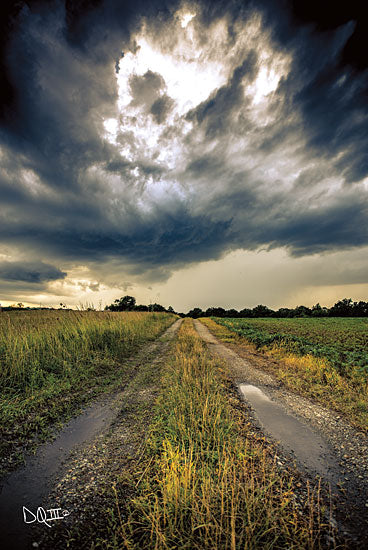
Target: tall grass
[(53, 361), (207, 485), (41, 347)]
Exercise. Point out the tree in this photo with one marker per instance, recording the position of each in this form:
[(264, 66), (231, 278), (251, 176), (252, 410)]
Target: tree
[(246, 312), (302, 311), (215, 312), (317, 311), (141, 307), (284, 312), (232, 313), (262, 311), (360, 309), (342, 308), (195, 313), (157, 307), (126, 303)]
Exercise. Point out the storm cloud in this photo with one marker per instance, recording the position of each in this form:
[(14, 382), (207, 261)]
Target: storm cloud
[(30, 272), (159, 134)]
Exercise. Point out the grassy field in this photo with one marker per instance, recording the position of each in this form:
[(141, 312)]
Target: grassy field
[(53, 361), (326, 359), (206, 482)]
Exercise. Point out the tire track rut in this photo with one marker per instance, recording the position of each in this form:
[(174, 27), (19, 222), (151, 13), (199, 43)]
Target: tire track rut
[(313, 437), (31, 485)]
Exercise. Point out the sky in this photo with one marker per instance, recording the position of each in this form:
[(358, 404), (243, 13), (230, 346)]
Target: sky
[(209, 153)]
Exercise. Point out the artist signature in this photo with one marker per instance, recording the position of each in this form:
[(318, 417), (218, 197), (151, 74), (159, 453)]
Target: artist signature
[(44, 516)]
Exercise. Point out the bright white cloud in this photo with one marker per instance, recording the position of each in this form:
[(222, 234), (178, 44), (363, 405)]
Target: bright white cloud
[(194, 62)]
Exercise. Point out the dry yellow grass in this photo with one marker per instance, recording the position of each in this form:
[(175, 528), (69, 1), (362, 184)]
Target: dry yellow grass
[(207, 483), (308, 375)]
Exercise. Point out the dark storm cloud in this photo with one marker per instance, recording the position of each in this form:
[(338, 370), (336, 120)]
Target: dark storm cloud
[(303, 230), (161, 108), (340, 226), (67, 192), (334, 107), (30, 272), (145, 89), (330, 15), (214, 113), (329, 78), (148, 92)]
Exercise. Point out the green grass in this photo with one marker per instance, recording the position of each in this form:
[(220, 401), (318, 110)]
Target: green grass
[(343, 342), (50, 362), (37, 348), (206, 483)]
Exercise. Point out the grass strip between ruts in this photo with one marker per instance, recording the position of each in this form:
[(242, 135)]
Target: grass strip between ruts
[(207, 483)]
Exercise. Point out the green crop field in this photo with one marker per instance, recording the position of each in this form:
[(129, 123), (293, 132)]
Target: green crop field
[(325, 358), (343, 342)]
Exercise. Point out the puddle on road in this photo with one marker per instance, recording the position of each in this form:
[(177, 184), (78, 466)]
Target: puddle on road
[(250, 391), (309, 449), (30, 485)]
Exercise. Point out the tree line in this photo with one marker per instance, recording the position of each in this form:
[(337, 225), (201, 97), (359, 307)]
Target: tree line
[(128, 303), (342, 308)]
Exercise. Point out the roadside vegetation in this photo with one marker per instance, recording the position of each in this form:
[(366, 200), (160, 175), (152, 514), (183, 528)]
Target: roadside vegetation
[(52, 361), (206, 480), (326, 359)]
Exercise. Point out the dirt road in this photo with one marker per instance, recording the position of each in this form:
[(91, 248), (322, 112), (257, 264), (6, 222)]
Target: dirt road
[(75, 473), (69, 462), (316, 439)]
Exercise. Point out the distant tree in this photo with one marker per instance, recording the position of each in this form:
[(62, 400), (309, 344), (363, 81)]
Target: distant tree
[(215, 312), (262, 311), (246, 312), (170, 310), (20, 305), (195, 313), (284, 312), (156, 307), (302, 311), (126, 303), (318, 311), (141, 307), (360, 309), (342, 308), (232, 313)]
